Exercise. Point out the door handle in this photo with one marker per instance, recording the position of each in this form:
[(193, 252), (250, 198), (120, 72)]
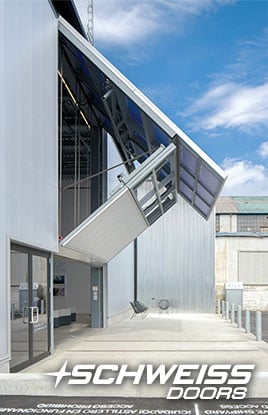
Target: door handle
[(25, 315), (34, 315)]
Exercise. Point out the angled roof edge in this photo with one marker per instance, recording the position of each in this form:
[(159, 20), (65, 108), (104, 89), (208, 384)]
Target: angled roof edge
[(68, 10), (133, 92)]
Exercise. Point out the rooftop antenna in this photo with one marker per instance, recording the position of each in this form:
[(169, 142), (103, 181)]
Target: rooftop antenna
[(90, 34)]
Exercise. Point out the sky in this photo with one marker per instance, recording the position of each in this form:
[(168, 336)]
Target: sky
[(204, 63)]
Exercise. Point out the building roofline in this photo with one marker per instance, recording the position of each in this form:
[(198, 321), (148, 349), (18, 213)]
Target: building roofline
[(67, 9), (242, 234), (247, 205)]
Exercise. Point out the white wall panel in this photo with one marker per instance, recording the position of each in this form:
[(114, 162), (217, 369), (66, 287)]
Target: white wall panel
[(3, 244), (253, 267), (176, 260), (120, 281), (30, 127), (28, 134)]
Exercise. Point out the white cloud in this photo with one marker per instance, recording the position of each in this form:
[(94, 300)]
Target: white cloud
[(250, 61), (237, 97), (263, 149), (125, 25), (245, 178), (231, 105), (121, 22), (193, 7)]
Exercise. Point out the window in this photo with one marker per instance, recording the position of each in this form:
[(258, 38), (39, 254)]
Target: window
[(252, 223), (218, 223)]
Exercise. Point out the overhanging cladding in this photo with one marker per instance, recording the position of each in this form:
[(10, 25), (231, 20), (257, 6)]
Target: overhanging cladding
[(139, 128), (140, 201), (135, 133)]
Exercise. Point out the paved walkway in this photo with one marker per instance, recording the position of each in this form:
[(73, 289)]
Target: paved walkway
[(158, 339)]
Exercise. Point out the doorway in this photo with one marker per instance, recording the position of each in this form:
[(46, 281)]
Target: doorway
[(29, 306)]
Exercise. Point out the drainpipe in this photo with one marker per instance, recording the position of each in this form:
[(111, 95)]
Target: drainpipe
[(135, 269)]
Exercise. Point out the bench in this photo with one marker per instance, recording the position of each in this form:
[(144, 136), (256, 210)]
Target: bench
[(139, 308), (64, 316)]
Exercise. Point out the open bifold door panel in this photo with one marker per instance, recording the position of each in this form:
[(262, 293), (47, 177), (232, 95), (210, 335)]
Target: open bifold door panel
[(142, 198), (170, 163), (199, 180)]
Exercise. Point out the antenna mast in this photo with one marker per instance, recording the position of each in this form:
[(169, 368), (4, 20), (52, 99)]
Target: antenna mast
[(90, 34)]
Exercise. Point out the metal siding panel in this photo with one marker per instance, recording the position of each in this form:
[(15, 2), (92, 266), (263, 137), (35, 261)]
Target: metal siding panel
[(3, 213), (28, 136), (120, 281), (176, 260), (30, 91), (121, 268)]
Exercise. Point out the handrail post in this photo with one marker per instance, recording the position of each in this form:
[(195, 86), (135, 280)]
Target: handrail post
[(258, 326), (218, 306), (247, 322), (223, 308), (239, 316), (227, 310), (232, 313)]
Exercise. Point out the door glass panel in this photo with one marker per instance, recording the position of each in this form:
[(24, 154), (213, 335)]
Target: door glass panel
[(19, 308), (28, 307), (38, 311)]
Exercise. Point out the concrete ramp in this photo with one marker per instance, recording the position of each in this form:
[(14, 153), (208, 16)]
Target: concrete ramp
[(159, 339)]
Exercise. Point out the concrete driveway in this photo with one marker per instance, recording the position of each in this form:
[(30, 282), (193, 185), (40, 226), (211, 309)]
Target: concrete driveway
[(158, 339)]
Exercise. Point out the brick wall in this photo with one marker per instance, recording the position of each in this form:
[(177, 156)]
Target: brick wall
[(255, 297)]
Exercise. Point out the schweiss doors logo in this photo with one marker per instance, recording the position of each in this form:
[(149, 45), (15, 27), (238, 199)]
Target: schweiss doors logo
[(192, 381)]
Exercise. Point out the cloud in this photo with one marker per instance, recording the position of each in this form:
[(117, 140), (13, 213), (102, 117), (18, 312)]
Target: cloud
[(250, 61), (125, 25), (263, 149), (231, 105), (244, 178), (121, 22), (193, 7), (237, 97)]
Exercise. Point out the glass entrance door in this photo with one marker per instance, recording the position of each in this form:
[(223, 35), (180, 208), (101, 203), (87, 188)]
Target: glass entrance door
[(40, 305), (29, 306), (19, 308)]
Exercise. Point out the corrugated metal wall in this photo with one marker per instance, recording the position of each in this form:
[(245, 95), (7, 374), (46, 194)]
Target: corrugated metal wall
[(120, 269), (28, 136), (176, 261), (29, 124)]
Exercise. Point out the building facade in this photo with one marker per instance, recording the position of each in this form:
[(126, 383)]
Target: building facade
[(67, 224), (242, 248)]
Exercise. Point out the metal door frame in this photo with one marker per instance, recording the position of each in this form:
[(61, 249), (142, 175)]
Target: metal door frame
[(31, 252)]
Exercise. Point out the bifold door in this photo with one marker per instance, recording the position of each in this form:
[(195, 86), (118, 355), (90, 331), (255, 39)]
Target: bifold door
[(142, 198)]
